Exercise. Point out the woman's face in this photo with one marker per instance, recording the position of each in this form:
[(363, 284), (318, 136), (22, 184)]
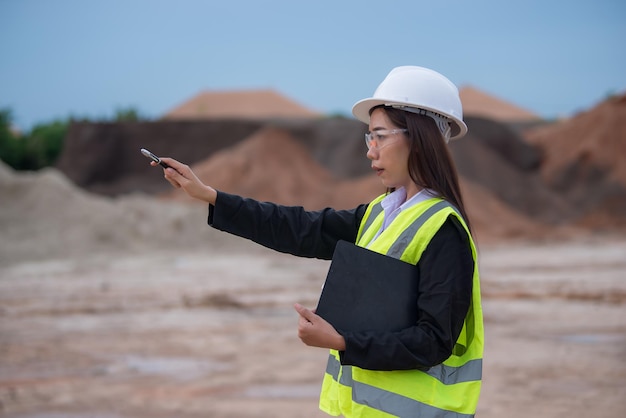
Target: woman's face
[(390, 159)]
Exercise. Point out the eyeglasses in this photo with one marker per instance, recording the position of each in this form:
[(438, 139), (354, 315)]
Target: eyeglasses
[(380, 138)]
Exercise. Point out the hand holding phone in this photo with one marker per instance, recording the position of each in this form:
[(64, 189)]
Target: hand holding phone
[(153, 157), (189, 182)]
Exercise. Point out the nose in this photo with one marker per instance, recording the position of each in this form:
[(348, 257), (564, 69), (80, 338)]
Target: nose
[(372, 153)]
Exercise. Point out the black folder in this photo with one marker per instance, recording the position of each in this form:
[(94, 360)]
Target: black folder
[(368, 291)]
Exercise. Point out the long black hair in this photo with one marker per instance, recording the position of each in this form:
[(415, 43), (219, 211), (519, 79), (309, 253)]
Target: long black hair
[(430, 162)]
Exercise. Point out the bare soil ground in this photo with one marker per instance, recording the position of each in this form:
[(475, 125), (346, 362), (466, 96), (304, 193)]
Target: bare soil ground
[(213, 333)]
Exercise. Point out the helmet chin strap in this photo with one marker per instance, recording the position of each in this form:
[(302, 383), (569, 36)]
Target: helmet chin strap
[(443, 123)]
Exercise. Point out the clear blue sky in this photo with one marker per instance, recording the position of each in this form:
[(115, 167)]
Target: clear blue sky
[(91, 57)]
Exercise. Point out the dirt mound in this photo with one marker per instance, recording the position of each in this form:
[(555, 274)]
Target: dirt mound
[(596, 137), (273, 166), (249, 104), (496, 158), (269, 165), (504, 140), (43, 215), (104, 158), (321, 162), (479, 103), (492, 219), (583, 161)]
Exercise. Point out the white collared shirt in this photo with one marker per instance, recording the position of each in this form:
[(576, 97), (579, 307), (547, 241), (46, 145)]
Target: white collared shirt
[(395, 203)]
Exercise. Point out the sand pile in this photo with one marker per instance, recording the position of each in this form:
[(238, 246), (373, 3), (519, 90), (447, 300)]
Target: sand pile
[(269, 165), (495, 157), (272, 165), (91, 150), (511, 190), (252, 104), (595, 138), (492, 219), (478, 103), (44, 216), (583, 161)]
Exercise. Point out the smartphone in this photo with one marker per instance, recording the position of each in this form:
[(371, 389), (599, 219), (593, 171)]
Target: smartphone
[(153, 157)]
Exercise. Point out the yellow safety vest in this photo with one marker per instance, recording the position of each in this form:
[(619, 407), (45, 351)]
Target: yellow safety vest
[(450, 389)]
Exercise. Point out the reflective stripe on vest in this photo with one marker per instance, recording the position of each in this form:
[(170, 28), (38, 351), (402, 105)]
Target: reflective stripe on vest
[(450, 389), (448, 375), (398, 247), (376, 210), (386, 401)]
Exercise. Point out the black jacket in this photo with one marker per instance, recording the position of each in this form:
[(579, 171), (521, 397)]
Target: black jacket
[(445, 275)]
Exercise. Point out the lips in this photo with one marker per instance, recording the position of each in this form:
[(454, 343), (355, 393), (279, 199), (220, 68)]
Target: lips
[(378, 171)]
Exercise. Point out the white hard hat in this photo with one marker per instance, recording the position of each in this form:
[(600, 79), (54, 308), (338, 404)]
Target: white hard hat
[(412, 87)]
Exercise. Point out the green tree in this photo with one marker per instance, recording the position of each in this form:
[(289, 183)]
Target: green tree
[(44, 143), (42, 146), (37, 149), (11, 146), (128, 114)]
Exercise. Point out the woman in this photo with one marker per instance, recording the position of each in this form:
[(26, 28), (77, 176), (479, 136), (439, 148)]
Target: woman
[(432, 369)]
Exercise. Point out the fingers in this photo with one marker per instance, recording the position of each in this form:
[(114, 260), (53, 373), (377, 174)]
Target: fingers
[(181, 176), (174, 176), (175, 164), (304, 312), (314, 331), (178, 173), (168, 177), (305, 326), (179, 168)]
